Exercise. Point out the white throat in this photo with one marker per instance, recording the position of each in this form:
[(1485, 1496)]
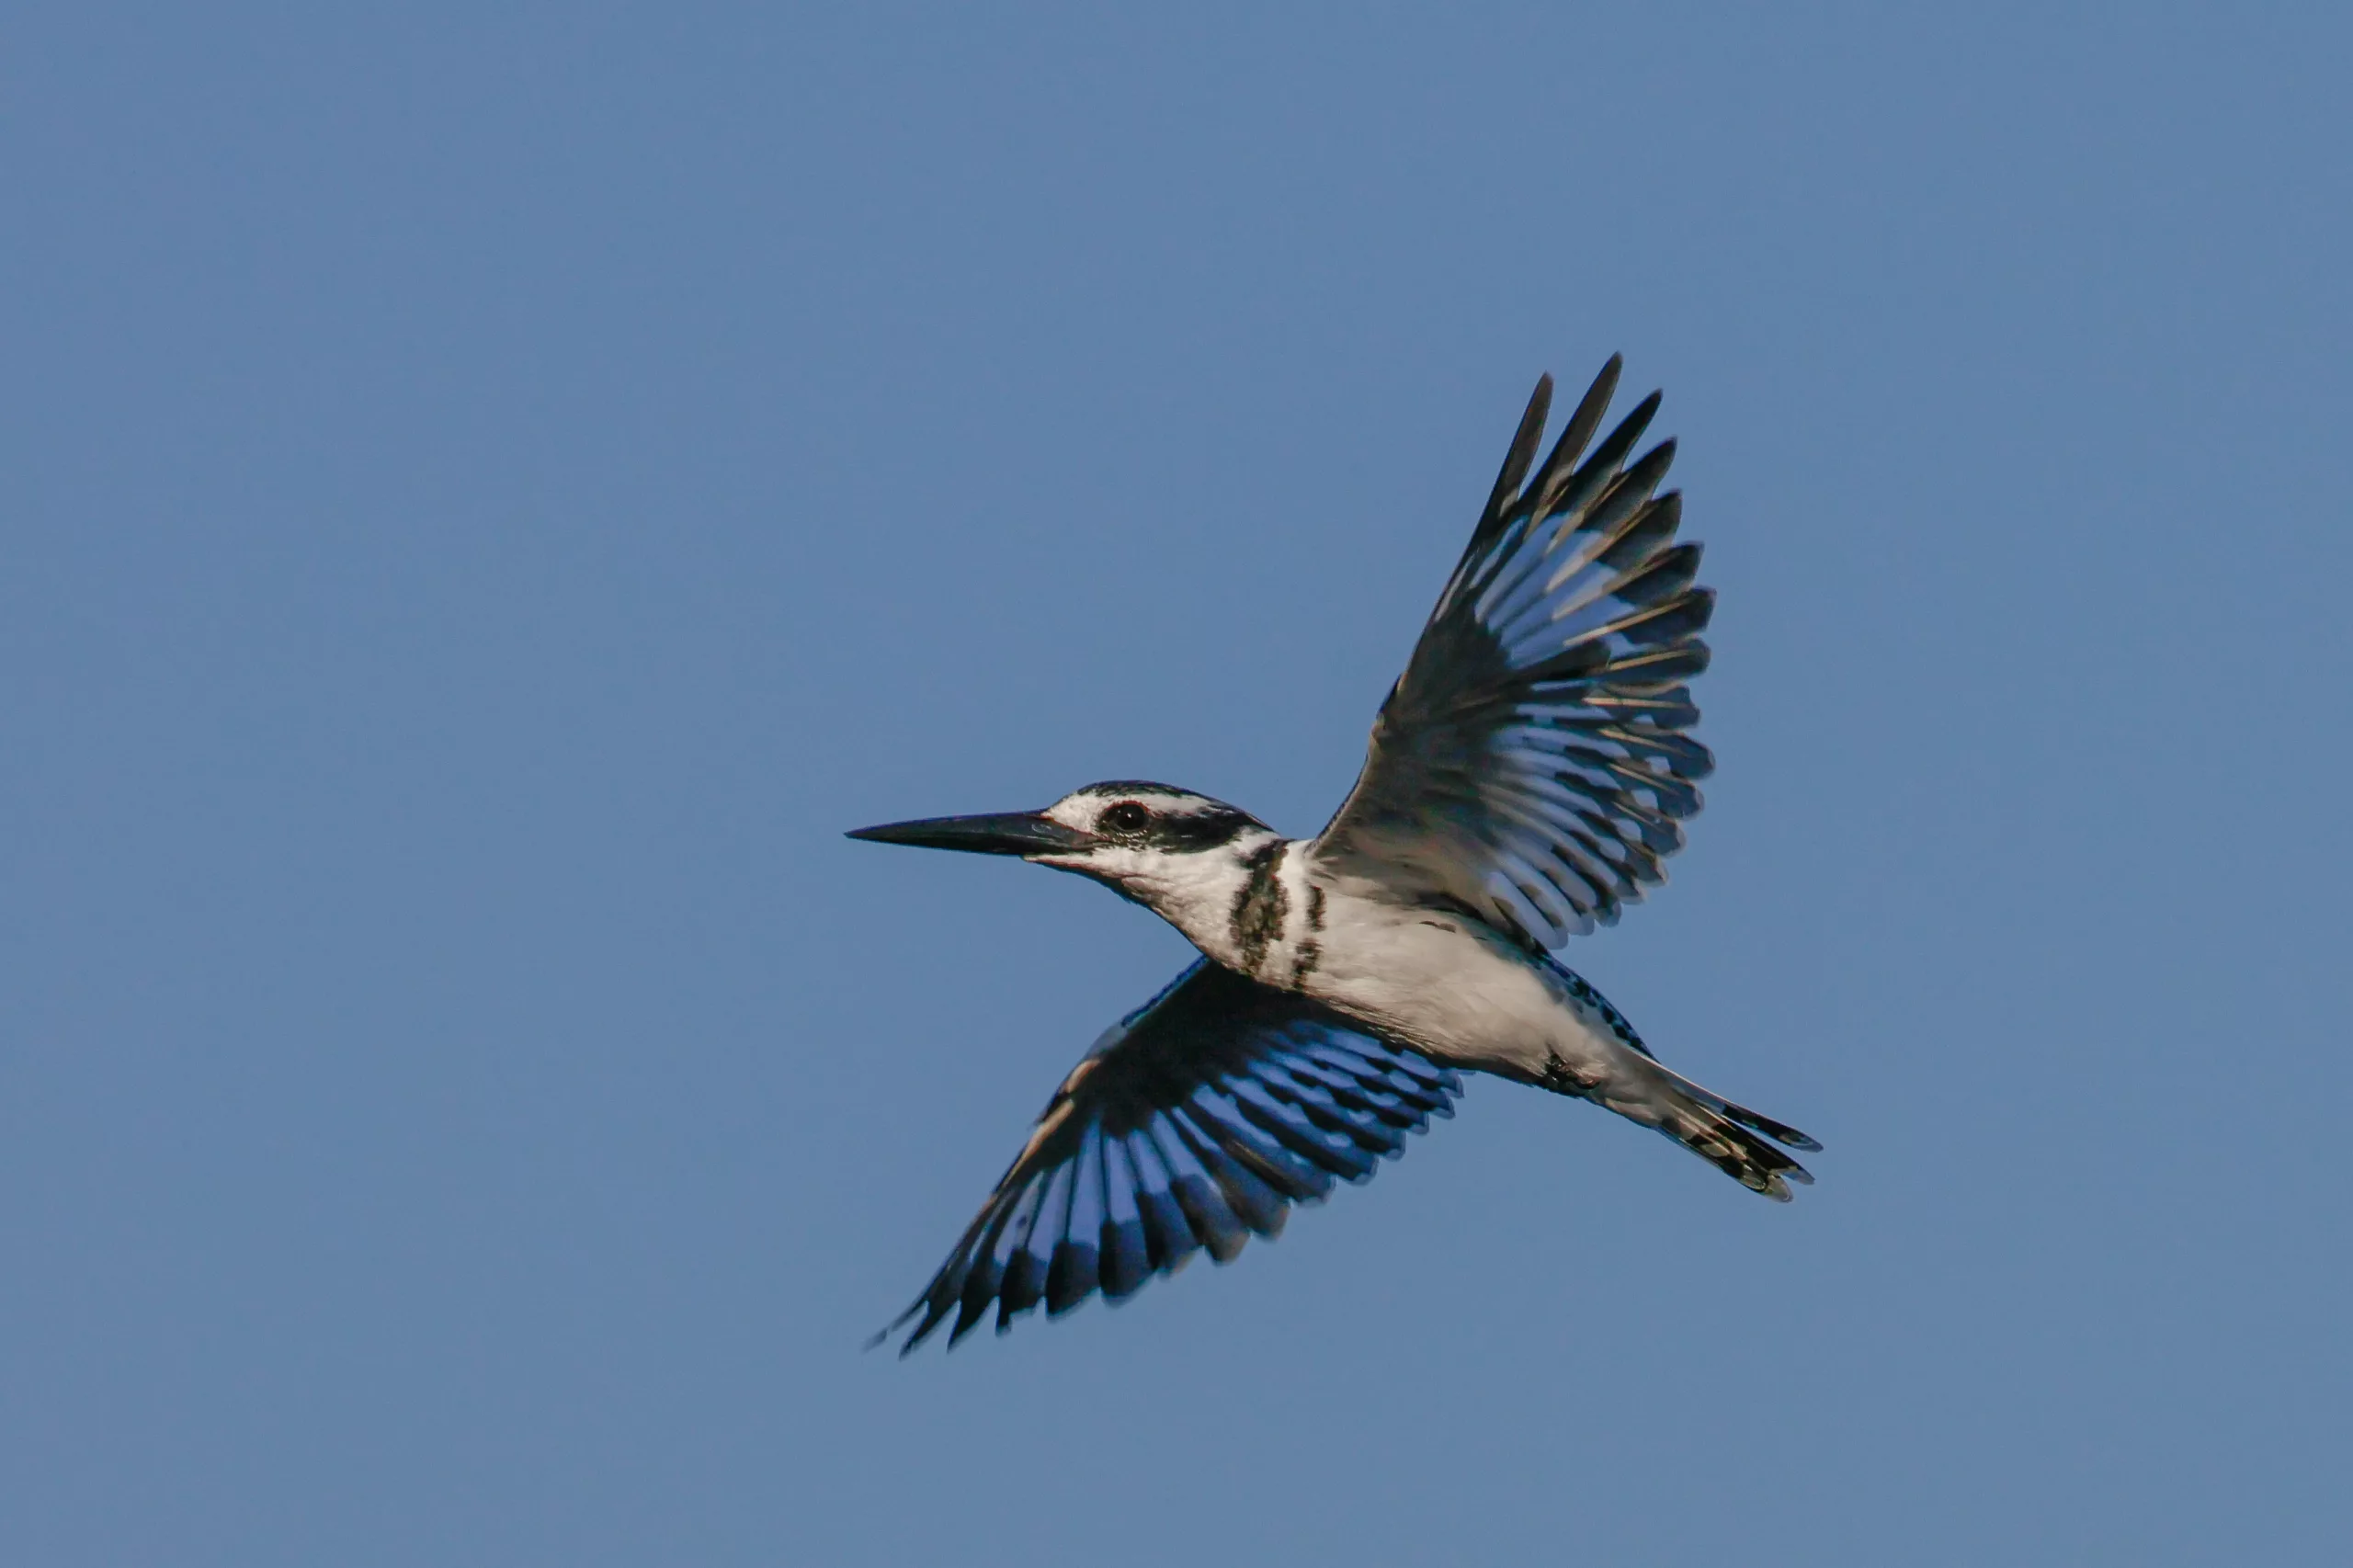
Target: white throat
[(1248, 905)]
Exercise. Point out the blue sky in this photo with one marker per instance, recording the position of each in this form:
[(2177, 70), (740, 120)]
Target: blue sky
[(487, 496)]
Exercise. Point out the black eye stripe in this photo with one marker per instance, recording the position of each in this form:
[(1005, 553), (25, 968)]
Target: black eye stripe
[(1197, 831), (1146, 815), (1131, 822)]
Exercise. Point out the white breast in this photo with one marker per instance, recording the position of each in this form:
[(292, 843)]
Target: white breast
[(1454, 988)]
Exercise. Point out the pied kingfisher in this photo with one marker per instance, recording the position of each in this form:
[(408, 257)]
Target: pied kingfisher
[(1526, 775)]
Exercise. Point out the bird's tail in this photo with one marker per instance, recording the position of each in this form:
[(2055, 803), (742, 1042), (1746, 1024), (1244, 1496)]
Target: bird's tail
[(1726, 1135)]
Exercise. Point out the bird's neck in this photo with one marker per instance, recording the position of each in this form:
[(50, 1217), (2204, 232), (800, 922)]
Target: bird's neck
[(1252, 908)]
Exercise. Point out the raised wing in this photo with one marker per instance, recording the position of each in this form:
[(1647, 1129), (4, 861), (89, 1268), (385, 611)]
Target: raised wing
[(1196, 1122), (1531, 763)]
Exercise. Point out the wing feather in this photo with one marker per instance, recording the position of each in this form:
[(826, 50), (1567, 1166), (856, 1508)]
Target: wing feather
[(1197, 1122), (1533, 763)]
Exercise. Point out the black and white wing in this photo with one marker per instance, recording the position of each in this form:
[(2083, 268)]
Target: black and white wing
[(1532, 763), (1195, 1124)]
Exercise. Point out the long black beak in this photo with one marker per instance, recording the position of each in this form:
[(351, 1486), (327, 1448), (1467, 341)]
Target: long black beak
[(1006, 833)]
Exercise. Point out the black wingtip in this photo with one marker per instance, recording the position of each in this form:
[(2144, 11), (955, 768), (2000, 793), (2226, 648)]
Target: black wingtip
[(1583, 422), (1517, 461), (881, 1336)]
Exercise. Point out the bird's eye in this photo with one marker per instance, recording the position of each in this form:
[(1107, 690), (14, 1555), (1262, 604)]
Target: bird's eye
[(1125, 817)]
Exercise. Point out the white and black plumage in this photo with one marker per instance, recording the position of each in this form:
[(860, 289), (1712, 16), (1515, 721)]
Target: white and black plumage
[(1527, 776)]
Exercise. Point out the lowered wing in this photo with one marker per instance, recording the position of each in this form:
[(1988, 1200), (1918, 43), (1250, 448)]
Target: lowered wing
[(1195, 1124), (1532, 763)]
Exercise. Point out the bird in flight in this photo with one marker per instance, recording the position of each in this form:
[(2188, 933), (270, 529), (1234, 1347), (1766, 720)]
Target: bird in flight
[(1527, 775)]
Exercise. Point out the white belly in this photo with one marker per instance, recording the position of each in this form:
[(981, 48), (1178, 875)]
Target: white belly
[(1462, 993)]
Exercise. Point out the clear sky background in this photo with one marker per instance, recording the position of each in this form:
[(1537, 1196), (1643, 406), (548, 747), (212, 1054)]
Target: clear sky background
[(490, 493)]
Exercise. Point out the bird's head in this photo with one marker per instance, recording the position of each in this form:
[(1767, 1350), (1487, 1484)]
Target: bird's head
[(1182, 854)]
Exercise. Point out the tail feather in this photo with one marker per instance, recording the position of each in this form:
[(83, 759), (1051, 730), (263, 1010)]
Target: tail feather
[(1734, 1150), (1778, 1131), (1726, 1136)]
